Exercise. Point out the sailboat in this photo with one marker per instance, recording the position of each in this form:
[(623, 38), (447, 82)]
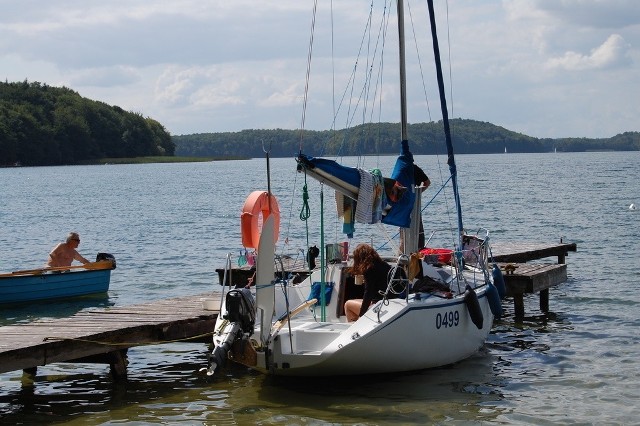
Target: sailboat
[(438, 308)]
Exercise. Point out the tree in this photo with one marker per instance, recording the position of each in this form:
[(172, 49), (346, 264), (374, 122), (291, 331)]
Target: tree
[(44, 125)]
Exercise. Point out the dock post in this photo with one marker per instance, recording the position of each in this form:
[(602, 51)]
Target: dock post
[(118, 364), (518, 305), (544, 294), (31, 371), (544, 300)]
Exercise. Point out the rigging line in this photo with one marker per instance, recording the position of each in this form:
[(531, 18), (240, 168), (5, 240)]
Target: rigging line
[(445, 119), (352, 109), (451, 130), (365, 127), (349, 118), (364, 95), (291, 204), (430, 118), (307, 77), (333, 69), (365, 92), (415, 41), (384, 27), (449, 55), (332, 133), (380, 42)]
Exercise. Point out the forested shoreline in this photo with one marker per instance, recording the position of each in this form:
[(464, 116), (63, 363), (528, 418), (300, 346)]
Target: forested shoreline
[(469, 137), (42, 125)]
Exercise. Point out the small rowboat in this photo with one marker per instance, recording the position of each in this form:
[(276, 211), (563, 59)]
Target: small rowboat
[(34, 285)]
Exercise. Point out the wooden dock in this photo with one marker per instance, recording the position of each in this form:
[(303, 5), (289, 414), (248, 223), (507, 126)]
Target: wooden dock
[(105, 334), (523, 278), (525, 252)]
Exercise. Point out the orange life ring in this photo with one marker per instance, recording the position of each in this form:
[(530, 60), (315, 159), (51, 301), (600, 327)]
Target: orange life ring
[(258, 206)]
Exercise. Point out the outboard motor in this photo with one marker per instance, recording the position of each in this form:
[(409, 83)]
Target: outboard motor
[(241, 314), (106, 256), (241, 308)]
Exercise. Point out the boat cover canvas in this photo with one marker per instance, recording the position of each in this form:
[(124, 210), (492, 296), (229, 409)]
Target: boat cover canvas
[(347, 181)]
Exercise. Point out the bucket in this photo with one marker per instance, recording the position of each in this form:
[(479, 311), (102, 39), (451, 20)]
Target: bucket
[(210, 304), (440, 255)]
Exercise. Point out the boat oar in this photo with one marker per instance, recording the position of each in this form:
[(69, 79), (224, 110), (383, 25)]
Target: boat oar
[(101, 264), (286, 317)]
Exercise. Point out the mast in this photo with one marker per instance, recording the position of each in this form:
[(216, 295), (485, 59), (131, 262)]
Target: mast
[(403, 72), (408, 236), (445, 119)]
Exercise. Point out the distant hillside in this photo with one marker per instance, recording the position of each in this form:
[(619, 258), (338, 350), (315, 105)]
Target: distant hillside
[(43, 125), (469, 137)]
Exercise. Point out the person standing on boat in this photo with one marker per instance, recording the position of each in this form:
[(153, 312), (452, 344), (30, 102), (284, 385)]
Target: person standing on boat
[(422, 181), (65, 253), (367, 262)]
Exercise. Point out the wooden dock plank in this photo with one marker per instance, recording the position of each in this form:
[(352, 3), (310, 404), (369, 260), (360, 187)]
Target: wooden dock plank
[(100, 331), (525, 252)]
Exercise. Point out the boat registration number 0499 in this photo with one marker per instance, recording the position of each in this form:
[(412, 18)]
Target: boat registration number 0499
[(448, 319)]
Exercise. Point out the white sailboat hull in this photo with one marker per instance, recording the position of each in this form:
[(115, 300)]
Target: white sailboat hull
[(424, 331), (405, 336)]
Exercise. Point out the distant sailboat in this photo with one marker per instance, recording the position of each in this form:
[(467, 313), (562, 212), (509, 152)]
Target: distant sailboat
[(505, 149)]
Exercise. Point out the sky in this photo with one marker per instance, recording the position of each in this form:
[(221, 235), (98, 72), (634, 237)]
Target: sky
[(544, 68)]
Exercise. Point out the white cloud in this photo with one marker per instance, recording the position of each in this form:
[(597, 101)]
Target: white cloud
[(609, 54)]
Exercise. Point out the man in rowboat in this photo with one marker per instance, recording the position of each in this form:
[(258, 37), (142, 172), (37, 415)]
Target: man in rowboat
[(65, 253)]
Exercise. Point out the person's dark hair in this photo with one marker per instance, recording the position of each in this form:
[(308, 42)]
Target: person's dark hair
[(364, 257)]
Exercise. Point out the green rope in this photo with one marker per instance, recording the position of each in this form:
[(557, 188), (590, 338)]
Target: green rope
[(305, 214)]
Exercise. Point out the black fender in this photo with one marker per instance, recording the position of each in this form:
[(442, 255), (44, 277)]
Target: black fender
[(473, 307)]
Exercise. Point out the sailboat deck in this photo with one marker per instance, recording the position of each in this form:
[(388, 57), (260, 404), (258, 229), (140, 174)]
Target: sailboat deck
[(515, 252), (525, 278)]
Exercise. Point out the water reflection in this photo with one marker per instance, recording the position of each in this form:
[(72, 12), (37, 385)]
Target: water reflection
[(172, 391)]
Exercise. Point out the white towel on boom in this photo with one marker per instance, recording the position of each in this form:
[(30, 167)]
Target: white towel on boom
[(366, 194)]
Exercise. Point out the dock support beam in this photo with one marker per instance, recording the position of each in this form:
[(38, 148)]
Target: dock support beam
[(118, 364), (523, 278)]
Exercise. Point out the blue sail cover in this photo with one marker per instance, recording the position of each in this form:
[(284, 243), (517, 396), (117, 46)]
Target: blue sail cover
[(334, 172), (400, 212), (347, 181)]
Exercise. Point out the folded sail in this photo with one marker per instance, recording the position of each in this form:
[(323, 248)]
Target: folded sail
[(400, 194), (400, 212)]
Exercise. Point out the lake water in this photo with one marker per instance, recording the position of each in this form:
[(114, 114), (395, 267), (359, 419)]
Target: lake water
[(171, 225)]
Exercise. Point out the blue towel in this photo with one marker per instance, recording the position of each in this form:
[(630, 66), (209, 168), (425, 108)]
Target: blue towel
[(400, 212)]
